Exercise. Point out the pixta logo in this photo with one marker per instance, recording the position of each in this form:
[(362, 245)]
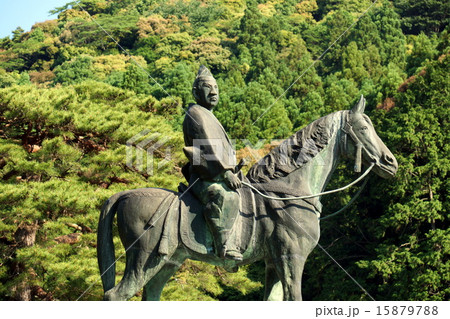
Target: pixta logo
[(142, 148)]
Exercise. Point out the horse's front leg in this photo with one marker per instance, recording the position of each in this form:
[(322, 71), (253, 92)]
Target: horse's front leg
[(273, 290), (289, 261)]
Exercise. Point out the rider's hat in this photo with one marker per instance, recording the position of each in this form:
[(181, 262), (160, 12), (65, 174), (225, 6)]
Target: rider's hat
[(203, 74)]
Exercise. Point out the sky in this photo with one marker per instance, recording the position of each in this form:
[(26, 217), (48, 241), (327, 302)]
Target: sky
[(25, 13)]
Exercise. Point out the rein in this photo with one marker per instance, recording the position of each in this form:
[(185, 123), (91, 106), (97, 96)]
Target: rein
[(323, 193), (314, 195)]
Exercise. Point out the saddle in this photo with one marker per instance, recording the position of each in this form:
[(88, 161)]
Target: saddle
[(184, 208)]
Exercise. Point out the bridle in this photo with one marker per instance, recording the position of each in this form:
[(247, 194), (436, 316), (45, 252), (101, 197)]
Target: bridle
[(348, 131)]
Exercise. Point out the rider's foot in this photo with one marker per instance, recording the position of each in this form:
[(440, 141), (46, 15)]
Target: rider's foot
[(233, 255)]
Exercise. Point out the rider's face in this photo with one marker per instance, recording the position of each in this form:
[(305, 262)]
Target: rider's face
[(208, 93)]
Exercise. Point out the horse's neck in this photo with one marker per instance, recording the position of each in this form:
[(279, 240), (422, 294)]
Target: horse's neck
[(314, 176)]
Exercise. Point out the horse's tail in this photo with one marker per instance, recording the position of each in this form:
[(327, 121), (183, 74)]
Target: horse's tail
[(105, 245)]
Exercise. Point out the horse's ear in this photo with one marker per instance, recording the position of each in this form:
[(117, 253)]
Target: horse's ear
[(360, 106)]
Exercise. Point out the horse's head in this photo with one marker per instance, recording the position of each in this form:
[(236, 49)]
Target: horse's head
[(362, 143)]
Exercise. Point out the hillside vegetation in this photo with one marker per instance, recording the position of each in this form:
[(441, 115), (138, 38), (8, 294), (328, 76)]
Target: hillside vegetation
[(75, 90)]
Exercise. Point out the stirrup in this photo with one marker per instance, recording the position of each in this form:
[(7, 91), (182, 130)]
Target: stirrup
[(232, 254), (182, 187)]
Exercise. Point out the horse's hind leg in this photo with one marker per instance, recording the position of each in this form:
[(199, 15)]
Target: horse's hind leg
[(153, 289), (139, 269)]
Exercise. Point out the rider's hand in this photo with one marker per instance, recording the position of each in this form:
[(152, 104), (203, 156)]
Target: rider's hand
[(232, 180)]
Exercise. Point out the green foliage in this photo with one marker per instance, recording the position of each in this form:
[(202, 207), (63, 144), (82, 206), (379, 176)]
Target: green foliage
[(200, 14), (17, 34), (121, 28), (135, 79), (178, 82), (70, 99), (423, 15), (423, 50), (327, 6), (11, 78), (75, 71), (199, 281)]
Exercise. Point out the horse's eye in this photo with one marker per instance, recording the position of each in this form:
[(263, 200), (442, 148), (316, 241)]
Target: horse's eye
[(364, 128)]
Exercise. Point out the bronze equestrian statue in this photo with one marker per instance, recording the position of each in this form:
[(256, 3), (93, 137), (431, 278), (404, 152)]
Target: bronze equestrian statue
[(268, 218)]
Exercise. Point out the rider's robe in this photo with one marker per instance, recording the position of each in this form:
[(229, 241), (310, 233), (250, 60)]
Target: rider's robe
[(208, 147)]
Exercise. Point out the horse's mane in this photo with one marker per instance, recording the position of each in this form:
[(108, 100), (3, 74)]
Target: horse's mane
[(295, 151)]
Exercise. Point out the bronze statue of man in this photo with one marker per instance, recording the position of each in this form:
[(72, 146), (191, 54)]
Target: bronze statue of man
[(212, 164)]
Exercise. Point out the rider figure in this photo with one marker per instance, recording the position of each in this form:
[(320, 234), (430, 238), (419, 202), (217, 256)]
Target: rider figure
[(212, 164)]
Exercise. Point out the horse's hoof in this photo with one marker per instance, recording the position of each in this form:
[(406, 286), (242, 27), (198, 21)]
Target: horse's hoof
[(233, 269)]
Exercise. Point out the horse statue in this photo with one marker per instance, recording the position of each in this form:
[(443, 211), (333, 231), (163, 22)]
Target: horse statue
[(160, 228)]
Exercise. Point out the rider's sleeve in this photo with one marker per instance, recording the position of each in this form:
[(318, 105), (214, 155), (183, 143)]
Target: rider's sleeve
[(207, 146)]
